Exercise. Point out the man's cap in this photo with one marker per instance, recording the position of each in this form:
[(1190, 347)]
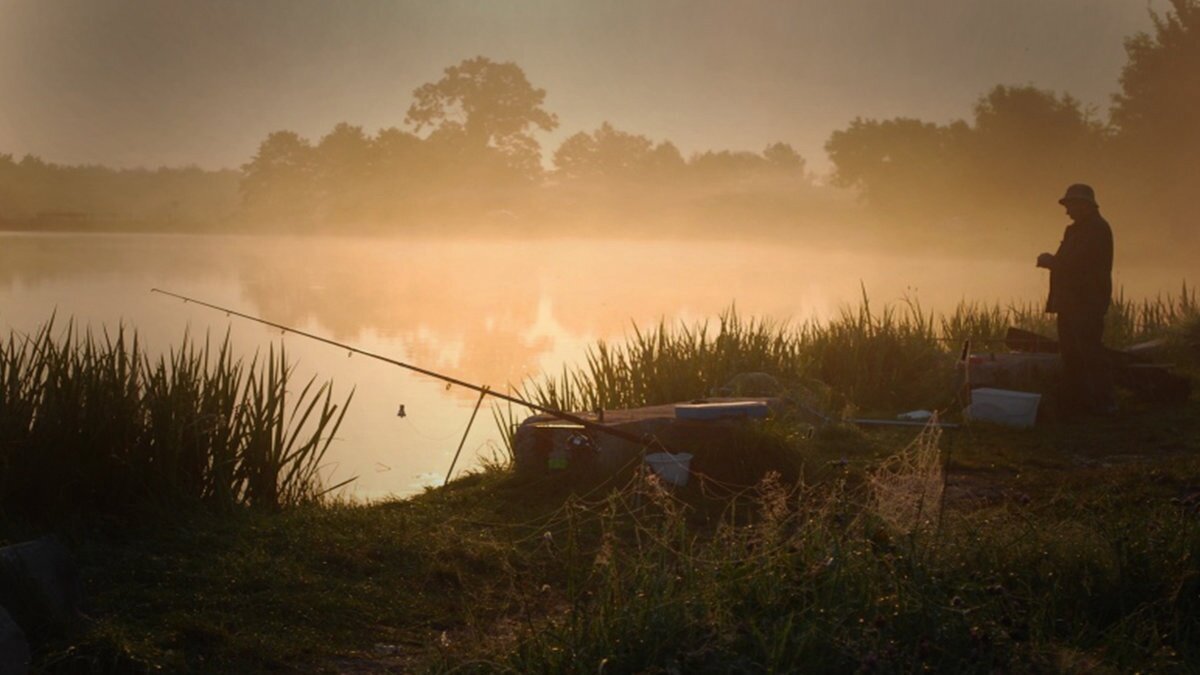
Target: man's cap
[(1079, 193)]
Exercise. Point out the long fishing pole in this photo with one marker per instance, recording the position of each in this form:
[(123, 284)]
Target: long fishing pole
[(483, 390)]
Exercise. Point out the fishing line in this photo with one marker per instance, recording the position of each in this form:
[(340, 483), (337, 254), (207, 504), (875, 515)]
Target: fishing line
[(644, 441), (410, 423)]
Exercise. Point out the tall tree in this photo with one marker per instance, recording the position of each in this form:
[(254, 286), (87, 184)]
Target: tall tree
[(344, 164), (1025, 145), (1158, 129), (399, 170), (486, 106), (896, 164), (277, 183)]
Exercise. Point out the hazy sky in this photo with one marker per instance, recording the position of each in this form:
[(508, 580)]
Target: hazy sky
[(149, 82)]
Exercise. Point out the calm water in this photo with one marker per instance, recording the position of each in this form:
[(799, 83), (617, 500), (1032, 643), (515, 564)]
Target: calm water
[(490, 312)]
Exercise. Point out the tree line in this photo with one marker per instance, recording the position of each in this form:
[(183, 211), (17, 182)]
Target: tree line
[(35, 194), (468, 148), (467, 155), (1000, 170)]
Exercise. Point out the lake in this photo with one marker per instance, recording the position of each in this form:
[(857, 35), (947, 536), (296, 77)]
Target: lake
[(492, 312)]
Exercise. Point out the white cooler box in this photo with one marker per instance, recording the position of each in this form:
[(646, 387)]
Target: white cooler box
[(1002, 406)]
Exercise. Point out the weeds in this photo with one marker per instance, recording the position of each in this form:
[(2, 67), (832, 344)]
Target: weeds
[(819, 578)]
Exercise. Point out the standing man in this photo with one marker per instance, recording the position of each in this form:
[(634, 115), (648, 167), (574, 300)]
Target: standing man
[(1080, 292)]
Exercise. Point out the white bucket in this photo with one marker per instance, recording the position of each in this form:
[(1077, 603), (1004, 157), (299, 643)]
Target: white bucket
[(673, 469), (1011, 408)]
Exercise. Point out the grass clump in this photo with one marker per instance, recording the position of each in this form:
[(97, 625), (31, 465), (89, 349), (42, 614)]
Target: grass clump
[(93, 424)]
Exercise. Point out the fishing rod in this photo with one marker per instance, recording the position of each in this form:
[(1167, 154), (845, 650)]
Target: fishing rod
[(650, 441)]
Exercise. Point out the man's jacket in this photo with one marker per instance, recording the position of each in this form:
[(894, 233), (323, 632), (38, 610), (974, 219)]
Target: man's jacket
[(1081, 274)]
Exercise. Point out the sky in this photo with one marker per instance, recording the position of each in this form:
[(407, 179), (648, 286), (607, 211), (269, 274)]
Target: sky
[(177, 82)]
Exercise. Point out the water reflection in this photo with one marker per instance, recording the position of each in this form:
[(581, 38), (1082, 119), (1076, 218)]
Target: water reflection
[(491, 312)]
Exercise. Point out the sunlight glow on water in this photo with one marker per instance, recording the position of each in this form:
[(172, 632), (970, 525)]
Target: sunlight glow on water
[(488, 312)]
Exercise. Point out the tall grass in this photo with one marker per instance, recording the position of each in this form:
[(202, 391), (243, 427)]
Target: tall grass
[(875, 359), (1129, 321), (665, 364), (93, 424)]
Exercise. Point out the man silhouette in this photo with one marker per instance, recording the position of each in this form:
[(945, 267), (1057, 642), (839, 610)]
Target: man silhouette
[(1080, 293)]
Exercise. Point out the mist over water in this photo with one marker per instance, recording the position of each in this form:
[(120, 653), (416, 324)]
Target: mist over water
[(489, 311)]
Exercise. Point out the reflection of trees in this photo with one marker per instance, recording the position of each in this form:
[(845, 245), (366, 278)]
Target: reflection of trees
[(497, 311), (470, 308), (37, 259), (443, 313)]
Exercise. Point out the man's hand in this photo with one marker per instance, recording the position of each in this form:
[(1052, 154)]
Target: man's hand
[(1046, 260)]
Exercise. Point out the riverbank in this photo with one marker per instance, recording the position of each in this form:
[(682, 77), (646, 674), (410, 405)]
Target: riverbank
[(215, 547), (1069, 548)]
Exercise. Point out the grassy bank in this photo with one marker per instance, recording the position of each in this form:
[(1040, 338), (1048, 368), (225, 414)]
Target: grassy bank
[(1068, 550), (1073, 547)]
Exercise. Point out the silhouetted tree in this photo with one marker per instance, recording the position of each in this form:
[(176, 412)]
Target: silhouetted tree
[(480, 105), (665, 160), (1155, 114), (400, 169), (726, 164), (343, 165), (606, 153), (783, 157), (1025, 145), (278, 182), (895, 164)]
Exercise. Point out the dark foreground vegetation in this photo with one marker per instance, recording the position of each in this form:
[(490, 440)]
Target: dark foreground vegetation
[(1068, 548), (92, 424)]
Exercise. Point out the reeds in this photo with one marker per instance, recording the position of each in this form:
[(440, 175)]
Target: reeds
[(94, 424), (896, 357), (665, 364)]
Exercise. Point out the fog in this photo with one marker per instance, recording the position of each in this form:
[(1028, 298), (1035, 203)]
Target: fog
[(941, 126), (147, 83)]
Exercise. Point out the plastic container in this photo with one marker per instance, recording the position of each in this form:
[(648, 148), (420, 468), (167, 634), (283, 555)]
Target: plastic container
[(1003, 406), (673, 469)]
